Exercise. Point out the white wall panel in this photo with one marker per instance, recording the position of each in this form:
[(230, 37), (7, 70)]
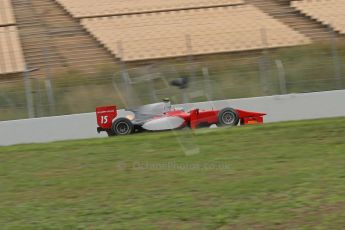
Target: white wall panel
[(80, 126)]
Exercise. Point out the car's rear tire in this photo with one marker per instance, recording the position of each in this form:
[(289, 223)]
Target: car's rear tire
[(228, 117), (122, 126)]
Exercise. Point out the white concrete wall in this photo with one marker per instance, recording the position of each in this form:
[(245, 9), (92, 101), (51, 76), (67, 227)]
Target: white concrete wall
[(80, 126), (289, 107)]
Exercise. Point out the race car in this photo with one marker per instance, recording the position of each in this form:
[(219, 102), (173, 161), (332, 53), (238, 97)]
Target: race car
[(161, 116)]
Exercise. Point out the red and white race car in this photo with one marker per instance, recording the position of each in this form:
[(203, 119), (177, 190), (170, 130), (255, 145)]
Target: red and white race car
[(160, 116)]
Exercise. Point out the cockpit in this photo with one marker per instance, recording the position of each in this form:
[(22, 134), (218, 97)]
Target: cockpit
[(146, 112)]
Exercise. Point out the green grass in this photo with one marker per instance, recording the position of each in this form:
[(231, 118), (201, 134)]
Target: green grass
[(276, 176)]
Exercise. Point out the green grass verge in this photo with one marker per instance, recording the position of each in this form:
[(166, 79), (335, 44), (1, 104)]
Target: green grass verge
[(276, 176)]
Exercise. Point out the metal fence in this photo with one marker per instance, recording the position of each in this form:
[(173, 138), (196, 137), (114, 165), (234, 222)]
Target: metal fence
[(309, 68)]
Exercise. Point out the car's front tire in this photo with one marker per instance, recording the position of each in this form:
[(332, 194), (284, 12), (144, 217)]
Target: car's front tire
[(122, 126), (228, 117)]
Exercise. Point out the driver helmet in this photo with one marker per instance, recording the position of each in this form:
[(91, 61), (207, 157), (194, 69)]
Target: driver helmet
[(167, 104)]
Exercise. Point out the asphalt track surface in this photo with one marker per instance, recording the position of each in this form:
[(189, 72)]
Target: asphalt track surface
[(81, 126)]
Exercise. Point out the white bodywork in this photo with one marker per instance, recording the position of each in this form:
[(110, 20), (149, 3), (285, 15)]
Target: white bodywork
[(163, 123)]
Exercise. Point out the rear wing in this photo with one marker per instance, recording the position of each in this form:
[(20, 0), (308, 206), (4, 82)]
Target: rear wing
[(105, 116)]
